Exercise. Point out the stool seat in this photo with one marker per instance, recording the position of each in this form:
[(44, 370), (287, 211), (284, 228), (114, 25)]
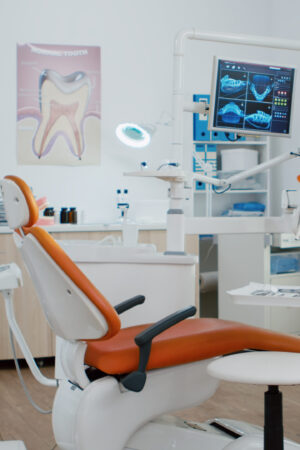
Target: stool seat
[(268, 368)]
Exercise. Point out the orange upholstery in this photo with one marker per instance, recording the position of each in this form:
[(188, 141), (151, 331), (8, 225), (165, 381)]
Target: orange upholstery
[(31, 203), (74, 273), (188, 341)]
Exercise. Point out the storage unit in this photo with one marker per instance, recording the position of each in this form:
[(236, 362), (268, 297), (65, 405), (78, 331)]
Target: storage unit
[(210, 146), (249, 257)]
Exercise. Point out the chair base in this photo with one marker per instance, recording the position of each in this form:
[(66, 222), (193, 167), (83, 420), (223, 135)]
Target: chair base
[(273, 429)]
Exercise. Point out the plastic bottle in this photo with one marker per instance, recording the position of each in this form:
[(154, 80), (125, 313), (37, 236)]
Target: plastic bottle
[(122, 202)]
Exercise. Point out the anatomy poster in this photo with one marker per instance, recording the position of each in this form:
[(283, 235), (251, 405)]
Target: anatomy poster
[(58, 105)]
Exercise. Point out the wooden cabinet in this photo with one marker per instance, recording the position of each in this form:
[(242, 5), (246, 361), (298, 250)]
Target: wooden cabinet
[(29, 314)]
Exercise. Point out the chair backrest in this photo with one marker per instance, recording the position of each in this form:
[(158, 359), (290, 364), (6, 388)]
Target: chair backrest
[(20, 206), (74, 308)]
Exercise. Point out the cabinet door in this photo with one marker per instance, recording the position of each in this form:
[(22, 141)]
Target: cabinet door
[(241, 259)]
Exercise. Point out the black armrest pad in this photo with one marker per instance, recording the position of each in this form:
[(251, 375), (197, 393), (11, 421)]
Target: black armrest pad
[(135, 381), (130, 303), (163, 324)]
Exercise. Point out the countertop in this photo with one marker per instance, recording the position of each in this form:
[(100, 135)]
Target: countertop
[(65, 228)]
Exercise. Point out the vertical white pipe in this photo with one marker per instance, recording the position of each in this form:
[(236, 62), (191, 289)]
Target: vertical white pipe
[(175, 219), (178, 94), (8, 297)]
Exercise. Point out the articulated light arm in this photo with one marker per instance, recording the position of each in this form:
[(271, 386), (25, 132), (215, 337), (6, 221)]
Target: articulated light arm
[(224, 182)]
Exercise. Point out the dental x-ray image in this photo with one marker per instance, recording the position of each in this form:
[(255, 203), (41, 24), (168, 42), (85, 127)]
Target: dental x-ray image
[(258, 116), (233, 84), (260, 87), (231, 113)]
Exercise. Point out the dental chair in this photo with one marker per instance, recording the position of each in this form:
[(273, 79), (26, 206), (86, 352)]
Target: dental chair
[(116, 382)]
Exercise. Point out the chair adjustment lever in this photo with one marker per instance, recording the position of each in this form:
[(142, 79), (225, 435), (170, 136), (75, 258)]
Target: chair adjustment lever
[(130, 303), (135, 381)]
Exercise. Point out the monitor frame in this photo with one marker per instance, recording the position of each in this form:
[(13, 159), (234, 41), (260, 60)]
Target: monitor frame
[(243, 131)]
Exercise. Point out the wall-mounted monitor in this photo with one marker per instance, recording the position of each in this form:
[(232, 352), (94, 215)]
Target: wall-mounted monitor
[(251, 98)]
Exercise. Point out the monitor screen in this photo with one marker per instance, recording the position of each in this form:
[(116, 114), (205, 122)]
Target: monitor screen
[(251, 98)]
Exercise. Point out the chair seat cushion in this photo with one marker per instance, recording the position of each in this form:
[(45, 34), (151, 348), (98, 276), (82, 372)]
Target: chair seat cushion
[(188, 341)]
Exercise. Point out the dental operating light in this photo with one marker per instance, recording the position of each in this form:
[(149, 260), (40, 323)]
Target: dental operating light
[(134, 135)]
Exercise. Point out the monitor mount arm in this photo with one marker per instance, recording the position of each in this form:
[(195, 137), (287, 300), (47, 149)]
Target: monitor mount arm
[(227, 182), (179, 106), (177, 224)]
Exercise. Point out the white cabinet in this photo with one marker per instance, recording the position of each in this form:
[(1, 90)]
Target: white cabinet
[(208, 146), (245, 258), (253, 189)]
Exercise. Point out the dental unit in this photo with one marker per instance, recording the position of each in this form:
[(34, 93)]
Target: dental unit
[(108, 371)]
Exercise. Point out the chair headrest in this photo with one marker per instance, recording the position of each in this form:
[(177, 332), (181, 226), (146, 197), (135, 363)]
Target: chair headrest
[(20, 206)]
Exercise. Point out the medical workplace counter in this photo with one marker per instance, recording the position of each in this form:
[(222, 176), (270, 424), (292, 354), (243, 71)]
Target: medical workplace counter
[(29, 315)]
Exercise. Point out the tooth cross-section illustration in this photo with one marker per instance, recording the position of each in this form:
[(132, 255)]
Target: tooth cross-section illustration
[(63, 102)]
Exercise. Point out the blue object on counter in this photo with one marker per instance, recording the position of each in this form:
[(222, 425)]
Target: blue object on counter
[(249, 206), (284, 264)]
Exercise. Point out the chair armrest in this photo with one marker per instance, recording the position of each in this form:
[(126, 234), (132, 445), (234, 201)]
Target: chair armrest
[(157, 328), (135, 381), (130, 303)]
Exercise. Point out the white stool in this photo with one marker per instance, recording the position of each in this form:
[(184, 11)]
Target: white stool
[(268, 368)]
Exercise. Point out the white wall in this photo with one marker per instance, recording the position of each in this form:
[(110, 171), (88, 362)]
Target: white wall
[(136, 37), (285, 24)]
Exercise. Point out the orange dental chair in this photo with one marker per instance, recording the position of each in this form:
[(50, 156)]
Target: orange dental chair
[(119, 381)]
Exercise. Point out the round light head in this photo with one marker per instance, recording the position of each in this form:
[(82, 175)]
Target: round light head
[(133, 135)]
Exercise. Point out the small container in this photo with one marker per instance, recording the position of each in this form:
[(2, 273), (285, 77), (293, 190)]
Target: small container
[(285, 262), (64, 217), (56, 216), (49, 212), (72, 215)]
